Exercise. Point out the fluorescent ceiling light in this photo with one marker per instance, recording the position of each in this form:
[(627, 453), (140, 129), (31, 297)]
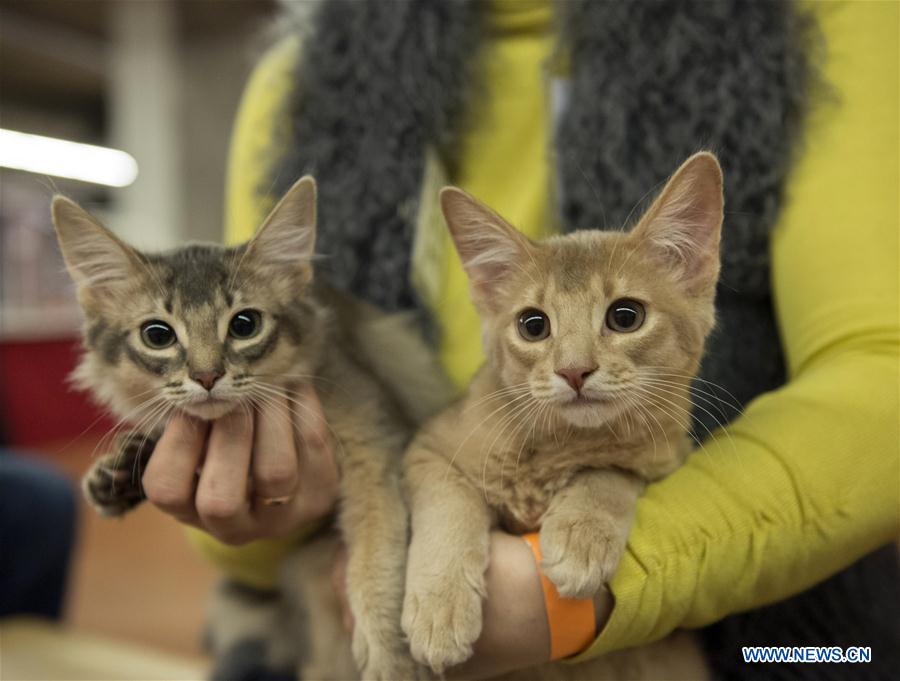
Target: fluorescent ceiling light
[(61, 158)]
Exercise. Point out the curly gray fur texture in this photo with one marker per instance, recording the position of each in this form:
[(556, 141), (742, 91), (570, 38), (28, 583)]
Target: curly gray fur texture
[(652, 82), (378, 82)]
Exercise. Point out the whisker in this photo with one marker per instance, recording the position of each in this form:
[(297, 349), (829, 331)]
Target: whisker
[(507, 421), (500, 426), (533, 417), (654, 395), (665, 410), (293, 400), (103, 415), (136, 472), (125, 420), (477, 427), (260, 401), (695, 394), (510, 390), (660, 389), (669, 372)]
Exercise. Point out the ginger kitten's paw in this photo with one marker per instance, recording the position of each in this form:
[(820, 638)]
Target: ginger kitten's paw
[(398, 668), (581, 552), (378, 663), (442, 619), (112, 485)]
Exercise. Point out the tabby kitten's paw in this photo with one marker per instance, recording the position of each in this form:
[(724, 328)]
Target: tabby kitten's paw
[(442, 619), (581, 552), (112, 485)]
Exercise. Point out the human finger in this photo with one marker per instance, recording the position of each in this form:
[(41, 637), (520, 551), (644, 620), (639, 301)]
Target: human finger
[(318, 468), (170, 478), (221, 499), (316, 454), (274, 463)]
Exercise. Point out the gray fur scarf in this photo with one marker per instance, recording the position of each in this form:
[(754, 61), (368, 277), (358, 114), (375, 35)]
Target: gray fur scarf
[(652, 82)]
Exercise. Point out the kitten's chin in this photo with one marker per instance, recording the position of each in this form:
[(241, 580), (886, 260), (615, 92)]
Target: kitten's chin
[(589, 414), (209, 410)]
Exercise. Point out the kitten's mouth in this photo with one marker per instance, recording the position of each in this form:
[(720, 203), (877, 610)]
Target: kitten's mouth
[(209, 407), (592, 410), (206, 400), (593, 400)]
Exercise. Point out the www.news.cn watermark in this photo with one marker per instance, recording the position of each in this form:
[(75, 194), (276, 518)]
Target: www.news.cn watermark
[(834, 654)]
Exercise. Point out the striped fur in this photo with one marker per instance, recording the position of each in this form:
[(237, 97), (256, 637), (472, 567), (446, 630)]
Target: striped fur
[(306, 334)]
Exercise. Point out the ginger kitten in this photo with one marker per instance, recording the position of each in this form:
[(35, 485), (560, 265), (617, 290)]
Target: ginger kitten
[(591, 342), (205, 329)]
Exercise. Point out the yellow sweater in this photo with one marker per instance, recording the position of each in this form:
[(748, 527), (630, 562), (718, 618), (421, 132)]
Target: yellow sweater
[(807, 480)]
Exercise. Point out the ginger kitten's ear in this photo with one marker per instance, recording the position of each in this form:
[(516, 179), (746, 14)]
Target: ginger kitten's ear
[(490, 248), (684, 224), (95, 257), (287, 237)]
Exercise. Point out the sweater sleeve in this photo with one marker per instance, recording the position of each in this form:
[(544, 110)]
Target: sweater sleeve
[(259, 126), (807, 480)]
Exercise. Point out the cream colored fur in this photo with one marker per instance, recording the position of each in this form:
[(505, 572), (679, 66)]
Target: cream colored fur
[(525, 450)]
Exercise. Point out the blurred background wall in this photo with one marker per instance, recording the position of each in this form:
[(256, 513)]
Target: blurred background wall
[(158, 79)]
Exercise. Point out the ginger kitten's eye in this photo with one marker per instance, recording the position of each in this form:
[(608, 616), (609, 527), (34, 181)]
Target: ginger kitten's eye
[(245, 324), (533, 325), (625, 315), (157, 334)]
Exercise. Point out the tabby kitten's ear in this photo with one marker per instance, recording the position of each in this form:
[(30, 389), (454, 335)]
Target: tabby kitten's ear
[(683, 226), (490, 248), (95, 257), (287, 237)]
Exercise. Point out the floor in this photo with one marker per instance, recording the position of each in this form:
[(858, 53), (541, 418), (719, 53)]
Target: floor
[(134, 579)]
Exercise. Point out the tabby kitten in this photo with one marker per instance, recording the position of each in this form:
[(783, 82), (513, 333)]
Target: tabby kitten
[(206, 329), (576, 408)]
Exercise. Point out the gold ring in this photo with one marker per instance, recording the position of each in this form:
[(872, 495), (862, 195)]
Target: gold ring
[(275, 501)]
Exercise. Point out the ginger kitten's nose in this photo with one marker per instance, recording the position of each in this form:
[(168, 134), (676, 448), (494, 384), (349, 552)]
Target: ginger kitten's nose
[(206, 378), (576, 376)]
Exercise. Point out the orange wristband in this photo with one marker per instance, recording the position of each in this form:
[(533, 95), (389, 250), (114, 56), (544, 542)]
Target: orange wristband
[(572, 621)]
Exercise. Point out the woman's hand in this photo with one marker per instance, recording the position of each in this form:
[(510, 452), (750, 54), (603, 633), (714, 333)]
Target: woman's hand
[(514, 634), (249, 474)]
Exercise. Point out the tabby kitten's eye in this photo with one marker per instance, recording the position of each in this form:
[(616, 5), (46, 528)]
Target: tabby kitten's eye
[(157, 334), (625, 315), (533, 325), (245, 324)]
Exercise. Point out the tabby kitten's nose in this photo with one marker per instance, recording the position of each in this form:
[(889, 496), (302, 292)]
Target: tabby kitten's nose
[(576, 376), (206, 378)]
